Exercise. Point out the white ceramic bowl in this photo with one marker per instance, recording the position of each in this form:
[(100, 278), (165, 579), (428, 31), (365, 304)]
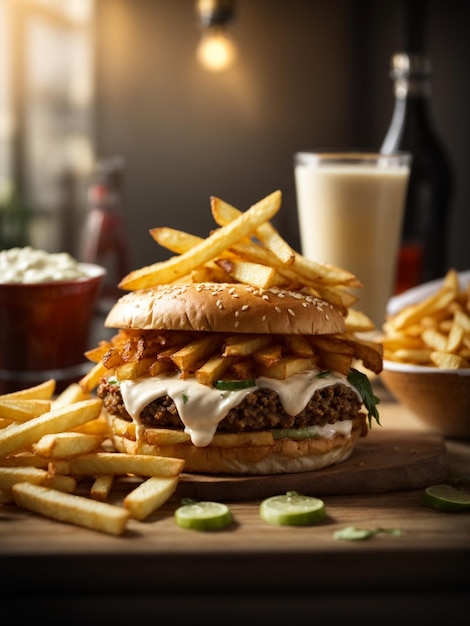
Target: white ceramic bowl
[(440, 398)]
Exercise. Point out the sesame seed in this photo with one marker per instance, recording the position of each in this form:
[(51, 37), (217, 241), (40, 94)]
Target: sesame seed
[(237, 324), (277, 309), (291, 312), (245, 307)]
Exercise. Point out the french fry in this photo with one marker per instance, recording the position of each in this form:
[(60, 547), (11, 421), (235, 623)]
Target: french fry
[(175, 240), (288, 366), (72, 393), (163, 436), (121, 464), (149, 496), (369, 352), (10, 476), (101, 487), (357, 321), (70, 508), (434, 339), (329, 343), (24, 459), (455, 337), (420, 356), (42, 391), (93, 377), (212, 370), (410, 315), (337, 362), (178, 266), (168, 437), (66, 445), (269, 356), (299, 345), (444, 360), (224, 214), (67, 484), (24, 409), (250, 273), (123, 427), (98, 426), (20, 436), (244, 345), (187, 358)]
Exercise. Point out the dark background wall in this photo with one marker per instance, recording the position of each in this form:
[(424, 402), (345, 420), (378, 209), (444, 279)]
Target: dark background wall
[(310, 74)]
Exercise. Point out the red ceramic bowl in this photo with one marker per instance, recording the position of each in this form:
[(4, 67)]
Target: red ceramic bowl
[(45, 329)]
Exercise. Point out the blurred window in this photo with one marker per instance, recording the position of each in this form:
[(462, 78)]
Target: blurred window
[(46, 113)]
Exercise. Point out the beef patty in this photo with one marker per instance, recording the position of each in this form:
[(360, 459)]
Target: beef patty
[(259, 410)]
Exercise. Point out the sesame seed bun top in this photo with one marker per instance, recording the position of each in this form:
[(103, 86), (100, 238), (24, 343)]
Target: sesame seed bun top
[(225, 307)]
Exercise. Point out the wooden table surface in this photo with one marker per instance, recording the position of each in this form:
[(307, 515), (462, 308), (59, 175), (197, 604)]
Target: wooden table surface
[(429, 562)]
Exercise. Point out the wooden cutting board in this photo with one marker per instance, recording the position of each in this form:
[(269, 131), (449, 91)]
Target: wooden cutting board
[(391, 460)]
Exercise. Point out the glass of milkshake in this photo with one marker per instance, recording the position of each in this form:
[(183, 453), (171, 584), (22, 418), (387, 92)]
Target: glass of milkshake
[(350, 209)]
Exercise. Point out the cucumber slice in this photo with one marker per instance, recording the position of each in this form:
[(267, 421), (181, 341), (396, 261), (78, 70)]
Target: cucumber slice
[(307, 432), (233, 385), (292, 509), (203, 516), (446, 498)]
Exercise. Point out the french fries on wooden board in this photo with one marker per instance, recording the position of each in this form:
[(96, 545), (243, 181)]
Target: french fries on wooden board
[(435, 331), (48, 445)]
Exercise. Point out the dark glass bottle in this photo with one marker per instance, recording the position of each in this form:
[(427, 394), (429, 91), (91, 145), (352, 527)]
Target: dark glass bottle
[(422, 255), (104, 239)]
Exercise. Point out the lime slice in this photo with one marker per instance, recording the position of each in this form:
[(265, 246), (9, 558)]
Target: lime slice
[(203, 516), (446, 498), (292, 509)]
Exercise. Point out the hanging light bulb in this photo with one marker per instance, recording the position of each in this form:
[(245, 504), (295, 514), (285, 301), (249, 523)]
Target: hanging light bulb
[(217, 50)]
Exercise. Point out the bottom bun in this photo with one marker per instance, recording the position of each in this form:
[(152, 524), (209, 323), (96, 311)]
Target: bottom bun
[(282, 456)]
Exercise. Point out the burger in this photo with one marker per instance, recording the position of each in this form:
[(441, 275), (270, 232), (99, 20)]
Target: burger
[(235, 379)]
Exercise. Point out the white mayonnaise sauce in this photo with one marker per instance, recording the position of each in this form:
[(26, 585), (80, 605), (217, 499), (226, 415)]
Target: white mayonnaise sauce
[(201, 408), (28, 265)]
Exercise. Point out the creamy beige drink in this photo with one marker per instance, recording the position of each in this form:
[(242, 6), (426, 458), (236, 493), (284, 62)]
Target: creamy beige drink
[(350, 209)]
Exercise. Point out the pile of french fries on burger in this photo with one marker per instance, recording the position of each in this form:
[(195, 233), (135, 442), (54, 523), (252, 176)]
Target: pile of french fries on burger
[(245, 248), (50, 445)]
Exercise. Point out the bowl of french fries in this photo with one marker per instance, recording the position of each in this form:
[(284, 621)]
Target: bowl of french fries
[(426, 344)]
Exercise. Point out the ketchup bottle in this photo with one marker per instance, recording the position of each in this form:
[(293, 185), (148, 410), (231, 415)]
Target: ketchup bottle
[(423, 248), (104, 239)]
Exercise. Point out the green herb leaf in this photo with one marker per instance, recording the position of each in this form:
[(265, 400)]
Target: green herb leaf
[(362, 384), (234, 385), (323, 374)]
